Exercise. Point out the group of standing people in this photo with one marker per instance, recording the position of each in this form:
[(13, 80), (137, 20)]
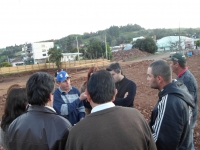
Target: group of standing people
[(102, 114)]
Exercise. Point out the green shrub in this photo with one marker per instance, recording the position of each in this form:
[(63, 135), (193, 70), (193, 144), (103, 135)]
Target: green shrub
[(5, 64)]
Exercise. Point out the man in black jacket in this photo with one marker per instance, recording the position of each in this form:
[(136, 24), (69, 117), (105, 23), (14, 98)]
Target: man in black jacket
[(172, 115), (126, 89), (40, 128)]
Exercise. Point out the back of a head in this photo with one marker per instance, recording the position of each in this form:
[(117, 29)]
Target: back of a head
[(114, 67), (161, 68), (91, 70), (39, 87), (16, 103), (101, 87), (13, 86)]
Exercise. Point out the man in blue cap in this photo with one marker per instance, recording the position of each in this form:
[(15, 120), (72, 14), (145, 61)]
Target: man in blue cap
[(67, 99)]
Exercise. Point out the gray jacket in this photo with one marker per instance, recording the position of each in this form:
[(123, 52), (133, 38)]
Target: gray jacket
[(191, 83)]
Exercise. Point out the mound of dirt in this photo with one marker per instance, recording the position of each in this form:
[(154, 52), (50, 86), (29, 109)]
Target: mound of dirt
[(127, 54)]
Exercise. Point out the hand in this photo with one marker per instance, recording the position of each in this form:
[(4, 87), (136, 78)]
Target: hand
[(126, 94), (83, 96), (81, 119)]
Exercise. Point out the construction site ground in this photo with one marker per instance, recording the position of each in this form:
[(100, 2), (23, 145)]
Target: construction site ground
[(135, 70)]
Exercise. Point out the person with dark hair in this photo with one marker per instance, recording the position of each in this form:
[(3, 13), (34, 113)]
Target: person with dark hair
[(109, 127), (40, 128), (171, 117), (13, 86), (87, 105), (16, 103), (178, 65), (56, 73), (68, 101), (126, 89)]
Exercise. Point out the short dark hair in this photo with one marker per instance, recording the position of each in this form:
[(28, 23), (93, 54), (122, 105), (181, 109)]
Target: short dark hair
[(39, 86), (101, 87), (182, 64), (114, 67), (161, 68), (16, 103)]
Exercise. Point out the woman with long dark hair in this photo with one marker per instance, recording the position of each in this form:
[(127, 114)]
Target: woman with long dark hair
[(88, 108), (16, 104)]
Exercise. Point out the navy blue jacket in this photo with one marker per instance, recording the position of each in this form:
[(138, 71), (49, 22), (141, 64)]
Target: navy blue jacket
[(69, 105)]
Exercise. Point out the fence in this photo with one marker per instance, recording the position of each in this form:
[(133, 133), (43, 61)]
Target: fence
[(64, 65)]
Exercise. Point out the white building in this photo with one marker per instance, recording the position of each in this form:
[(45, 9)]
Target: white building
[(172, 43), (70, 56), (37, 52)]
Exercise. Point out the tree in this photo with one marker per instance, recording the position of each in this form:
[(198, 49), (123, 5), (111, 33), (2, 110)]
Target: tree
[(109, 51), (55, 56), (150, 45), (95, 48), (5, 64), (3, 58), (146, 44), (139, 44), (197, 43), (113, 31)]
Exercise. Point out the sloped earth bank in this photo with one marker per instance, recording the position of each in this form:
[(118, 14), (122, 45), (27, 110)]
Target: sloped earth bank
[(145, 98)]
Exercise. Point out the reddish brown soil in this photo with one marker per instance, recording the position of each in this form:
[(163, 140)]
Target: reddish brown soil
[(145, 98)]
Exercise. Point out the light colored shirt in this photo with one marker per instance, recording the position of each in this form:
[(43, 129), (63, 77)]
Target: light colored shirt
[(102, 107), (50, 108)]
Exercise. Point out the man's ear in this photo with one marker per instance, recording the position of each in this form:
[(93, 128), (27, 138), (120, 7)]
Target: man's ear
[(58, 83), (88, 96), (160, 79), (113, 99), (50, 100)]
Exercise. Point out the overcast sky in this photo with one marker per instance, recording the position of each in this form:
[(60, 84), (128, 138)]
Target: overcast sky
[(35, 20)]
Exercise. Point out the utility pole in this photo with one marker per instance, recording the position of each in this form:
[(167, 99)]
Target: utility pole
[(179, 39), (106, 47), (77, 46)]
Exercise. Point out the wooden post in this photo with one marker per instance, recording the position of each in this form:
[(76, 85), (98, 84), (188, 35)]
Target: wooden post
[(65, 65), (1, 71), (45, 65), (17, 69)]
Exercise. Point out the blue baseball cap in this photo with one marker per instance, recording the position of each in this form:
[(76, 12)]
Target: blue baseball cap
[(62, 76)]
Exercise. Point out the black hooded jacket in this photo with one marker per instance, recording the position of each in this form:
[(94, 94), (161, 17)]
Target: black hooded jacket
[(171, 118)]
